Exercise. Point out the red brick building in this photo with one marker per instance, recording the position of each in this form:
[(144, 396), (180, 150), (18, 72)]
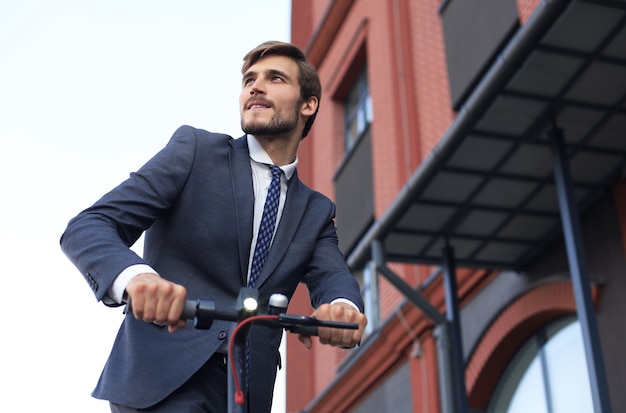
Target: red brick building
[(476, 153)]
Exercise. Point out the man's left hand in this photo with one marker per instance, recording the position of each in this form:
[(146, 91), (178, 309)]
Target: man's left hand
[(341, 312)]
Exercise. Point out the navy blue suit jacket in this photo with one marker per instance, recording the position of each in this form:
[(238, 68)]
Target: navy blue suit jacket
[(195, 201)]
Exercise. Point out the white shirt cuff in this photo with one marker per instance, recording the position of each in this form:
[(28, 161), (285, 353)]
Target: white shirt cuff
[(346, 301), (116, 292)]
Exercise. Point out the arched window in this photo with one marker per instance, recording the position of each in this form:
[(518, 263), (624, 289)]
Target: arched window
[(547, 375)]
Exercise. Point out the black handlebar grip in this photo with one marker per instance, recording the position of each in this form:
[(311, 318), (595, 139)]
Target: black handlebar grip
[(305, 330), (189, 310)]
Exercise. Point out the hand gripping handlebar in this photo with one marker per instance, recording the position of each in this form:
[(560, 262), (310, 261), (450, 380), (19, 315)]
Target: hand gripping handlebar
[(204, 312)]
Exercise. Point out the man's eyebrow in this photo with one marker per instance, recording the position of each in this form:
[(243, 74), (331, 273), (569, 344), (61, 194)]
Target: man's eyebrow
[(270, 72), (278, 72)]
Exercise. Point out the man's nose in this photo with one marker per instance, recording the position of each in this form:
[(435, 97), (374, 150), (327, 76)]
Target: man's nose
[(257, 88)]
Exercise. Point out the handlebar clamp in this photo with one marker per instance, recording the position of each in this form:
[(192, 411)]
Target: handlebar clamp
[(204, 314)]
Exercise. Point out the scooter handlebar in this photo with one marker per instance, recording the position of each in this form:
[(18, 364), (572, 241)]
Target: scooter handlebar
[(203, 312)]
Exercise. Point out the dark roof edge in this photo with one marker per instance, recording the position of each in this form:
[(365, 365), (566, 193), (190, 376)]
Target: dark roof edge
[(500, 72)]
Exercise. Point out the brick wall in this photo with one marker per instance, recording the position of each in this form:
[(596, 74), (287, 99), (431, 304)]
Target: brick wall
[(412, 110)]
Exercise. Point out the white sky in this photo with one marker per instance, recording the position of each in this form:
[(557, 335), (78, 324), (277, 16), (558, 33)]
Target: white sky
[(89, 91)]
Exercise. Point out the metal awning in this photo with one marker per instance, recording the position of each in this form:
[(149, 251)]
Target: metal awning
[(539, 140), (488, 186)]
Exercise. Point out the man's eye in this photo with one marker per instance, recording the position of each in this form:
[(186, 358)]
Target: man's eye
[(277, 78), (248, 81)]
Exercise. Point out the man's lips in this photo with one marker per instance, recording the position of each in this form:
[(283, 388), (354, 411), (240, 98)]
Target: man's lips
[(256, 104)]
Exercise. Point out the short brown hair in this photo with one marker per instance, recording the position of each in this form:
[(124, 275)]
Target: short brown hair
[(307, 75)]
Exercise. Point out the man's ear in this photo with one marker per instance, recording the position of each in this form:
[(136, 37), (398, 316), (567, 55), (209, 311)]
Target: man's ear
[(309, 106)]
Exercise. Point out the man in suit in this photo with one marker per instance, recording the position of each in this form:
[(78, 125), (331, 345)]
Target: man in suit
[(200, 201)]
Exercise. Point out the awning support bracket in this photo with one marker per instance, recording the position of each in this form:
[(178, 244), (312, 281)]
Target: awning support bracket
[(447, 330)]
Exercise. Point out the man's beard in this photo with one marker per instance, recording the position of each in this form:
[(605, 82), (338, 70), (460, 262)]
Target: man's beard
[(279, 124)]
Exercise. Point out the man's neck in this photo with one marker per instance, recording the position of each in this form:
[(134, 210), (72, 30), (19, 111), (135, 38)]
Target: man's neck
[(281, 149)]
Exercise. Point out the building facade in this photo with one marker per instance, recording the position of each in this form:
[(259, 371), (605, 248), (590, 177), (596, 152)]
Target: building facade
[(476, 153)]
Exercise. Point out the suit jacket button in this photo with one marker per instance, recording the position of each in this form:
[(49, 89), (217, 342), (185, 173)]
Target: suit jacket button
[(222, 335)]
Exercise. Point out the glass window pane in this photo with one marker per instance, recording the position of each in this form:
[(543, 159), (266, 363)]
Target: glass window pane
[(369, 113), (567, 371), (360, 122), (522, 387), (508, 392), (357, 110), (352, 132), (529, 395)]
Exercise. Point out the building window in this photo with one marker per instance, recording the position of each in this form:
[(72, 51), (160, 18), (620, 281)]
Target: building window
[(474, 36), (354, 183), (548, 374), (358, 111)]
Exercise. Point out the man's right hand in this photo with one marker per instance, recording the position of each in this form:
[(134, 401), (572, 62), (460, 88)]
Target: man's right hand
[(157, 300)]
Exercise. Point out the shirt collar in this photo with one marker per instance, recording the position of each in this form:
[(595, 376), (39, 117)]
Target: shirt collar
[(258, 154)]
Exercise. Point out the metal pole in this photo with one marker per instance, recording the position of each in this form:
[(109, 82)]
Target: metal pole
[(454, 322), (370, 295), (579, 273), (442, 333), (444, 364)]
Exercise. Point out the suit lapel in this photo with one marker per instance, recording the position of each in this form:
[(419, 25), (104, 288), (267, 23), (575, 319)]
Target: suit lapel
[(295, 205), (241, 178)]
